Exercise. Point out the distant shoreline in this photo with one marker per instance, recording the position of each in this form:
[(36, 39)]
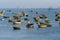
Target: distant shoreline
[(29, 8)]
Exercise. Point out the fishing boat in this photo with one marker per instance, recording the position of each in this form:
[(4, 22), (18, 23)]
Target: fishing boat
[(16, 28), (42, 26)]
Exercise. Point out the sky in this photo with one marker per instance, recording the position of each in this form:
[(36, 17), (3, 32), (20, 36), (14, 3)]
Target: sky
[(29, 3)]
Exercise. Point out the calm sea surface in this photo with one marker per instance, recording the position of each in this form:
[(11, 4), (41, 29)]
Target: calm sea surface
[(50, 33)]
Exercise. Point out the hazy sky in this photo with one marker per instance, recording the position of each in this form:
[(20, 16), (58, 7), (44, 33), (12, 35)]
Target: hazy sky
[(29, 3)]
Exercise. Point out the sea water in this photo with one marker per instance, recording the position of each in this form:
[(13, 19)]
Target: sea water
[(50, 33)]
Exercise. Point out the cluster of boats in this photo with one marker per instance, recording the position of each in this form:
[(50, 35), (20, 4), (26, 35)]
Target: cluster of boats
[(17, 21)]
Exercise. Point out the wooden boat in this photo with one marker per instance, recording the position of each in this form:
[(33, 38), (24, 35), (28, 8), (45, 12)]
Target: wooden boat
[(5, 16), (30, 25), (41, 17), (44, 16), (58, 19), (42, 26), (37, 19), (47, 21), (1, 14), (26, 19), (11, 20), (58, 15), (49, 25), (16, 28), (25, 14), (16, 17), (18, 22)]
